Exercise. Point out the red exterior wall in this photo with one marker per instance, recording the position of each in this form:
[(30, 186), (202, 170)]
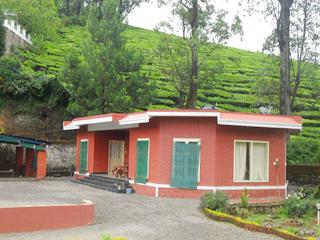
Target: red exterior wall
[(35, 218), (151, 131), (201, 128), (19, 159), (98, 150), (41, 164), (223, 163), (29, 159), (83, 134), (216, 154)]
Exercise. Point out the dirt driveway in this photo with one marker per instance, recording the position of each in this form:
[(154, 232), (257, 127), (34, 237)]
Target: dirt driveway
[(133, 216)]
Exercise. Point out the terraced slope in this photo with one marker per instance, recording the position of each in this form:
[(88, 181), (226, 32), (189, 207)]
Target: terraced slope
[(232, 90)]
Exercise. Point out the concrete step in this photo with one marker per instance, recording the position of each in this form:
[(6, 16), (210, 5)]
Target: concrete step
[(106, 183), (102, 187), (108, 178)]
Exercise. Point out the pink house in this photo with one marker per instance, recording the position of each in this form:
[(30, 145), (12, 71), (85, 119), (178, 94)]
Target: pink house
[(184, 153)]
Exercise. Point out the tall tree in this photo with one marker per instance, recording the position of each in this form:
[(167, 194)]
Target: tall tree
[(107, 77), (78, 7), (2, 34), (199, 22), (296, 38)]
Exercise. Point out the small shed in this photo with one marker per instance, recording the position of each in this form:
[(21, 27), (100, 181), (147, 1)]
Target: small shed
[(30, 156)]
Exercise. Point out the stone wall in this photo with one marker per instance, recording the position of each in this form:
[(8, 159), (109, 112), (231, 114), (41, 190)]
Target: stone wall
[(61, 158), (16, 36), (7, 156), (12, 41)]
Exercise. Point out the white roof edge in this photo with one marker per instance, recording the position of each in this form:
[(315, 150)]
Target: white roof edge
[(91, 121), (231, 122), (184, 114), (70, 127)]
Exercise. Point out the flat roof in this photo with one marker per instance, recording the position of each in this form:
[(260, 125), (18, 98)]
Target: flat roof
[(25, 142), (115, 120)]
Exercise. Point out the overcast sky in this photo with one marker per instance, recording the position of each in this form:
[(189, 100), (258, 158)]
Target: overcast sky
[(256, 29)]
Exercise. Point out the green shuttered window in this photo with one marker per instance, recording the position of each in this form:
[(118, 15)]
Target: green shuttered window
[(185, 164), (84, 156), (142, 161)]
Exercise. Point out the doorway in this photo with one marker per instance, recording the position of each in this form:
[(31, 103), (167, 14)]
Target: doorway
[(116, 154)]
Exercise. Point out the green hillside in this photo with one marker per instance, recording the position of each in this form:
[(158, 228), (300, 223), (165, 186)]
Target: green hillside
[(233, 90)]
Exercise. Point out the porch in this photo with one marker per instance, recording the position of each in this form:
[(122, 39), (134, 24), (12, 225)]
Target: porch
[(103, 152)]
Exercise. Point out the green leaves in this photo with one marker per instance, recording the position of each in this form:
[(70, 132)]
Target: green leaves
[(2, 34), (106, 76), (40, 18)]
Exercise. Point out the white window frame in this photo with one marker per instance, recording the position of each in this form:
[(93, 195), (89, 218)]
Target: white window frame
[(187, 140), (146, 140), (251, 154), (84, 140)]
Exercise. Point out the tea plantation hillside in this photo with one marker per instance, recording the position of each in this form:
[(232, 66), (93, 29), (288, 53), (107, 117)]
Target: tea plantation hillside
[(232, 90)]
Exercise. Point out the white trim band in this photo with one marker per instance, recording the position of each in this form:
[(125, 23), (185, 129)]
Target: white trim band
[(215, 188)]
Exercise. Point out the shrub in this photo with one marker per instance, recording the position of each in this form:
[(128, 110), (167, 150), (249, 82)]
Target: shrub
[(244, 199), (303, 151), (295, 207), (74, 20), (215, 201)]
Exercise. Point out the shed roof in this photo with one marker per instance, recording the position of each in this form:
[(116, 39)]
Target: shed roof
[(23, 142), (120, 121)]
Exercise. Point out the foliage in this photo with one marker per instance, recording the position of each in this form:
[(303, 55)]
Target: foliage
[(74, 20), (2, 34), (309, 192), (81, 7), (242, 212), (199, 22), (296, 38), (106, 77), (303, 151), (17, 82), (214, 200), (295, 207), (244, 199), (40, 18)]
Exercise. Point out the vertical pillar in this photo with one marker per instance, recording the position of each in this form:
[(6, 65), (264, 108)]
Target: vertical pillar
[(29, 160), (41, 165), (19, 160)]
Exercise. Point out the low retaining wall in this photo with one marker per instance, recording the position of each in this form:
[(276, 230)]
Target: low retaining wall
[(252, 226), (35, 218), (266, 208)]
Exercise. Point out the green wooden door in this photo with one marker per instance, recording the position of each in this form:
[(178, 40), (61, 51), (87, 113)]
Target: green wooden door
[(185, 165), (83, 156), (142, 161)]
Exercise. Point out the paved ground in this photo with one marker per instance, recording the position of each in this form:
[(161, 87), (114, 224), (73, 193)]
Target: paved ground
[(133, 216)]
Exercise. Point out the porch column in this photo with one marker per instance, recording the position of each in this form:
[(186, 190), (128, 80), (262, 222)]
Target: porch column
[(29, 159), (41, 165), (19, 160)]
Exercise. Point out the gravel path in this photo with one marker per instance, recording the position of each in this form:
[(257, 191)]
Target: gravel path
[(133, 216)]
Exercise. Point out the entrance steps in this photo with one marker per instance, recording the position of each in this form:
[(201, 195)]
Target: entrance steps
[(105, 182)]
